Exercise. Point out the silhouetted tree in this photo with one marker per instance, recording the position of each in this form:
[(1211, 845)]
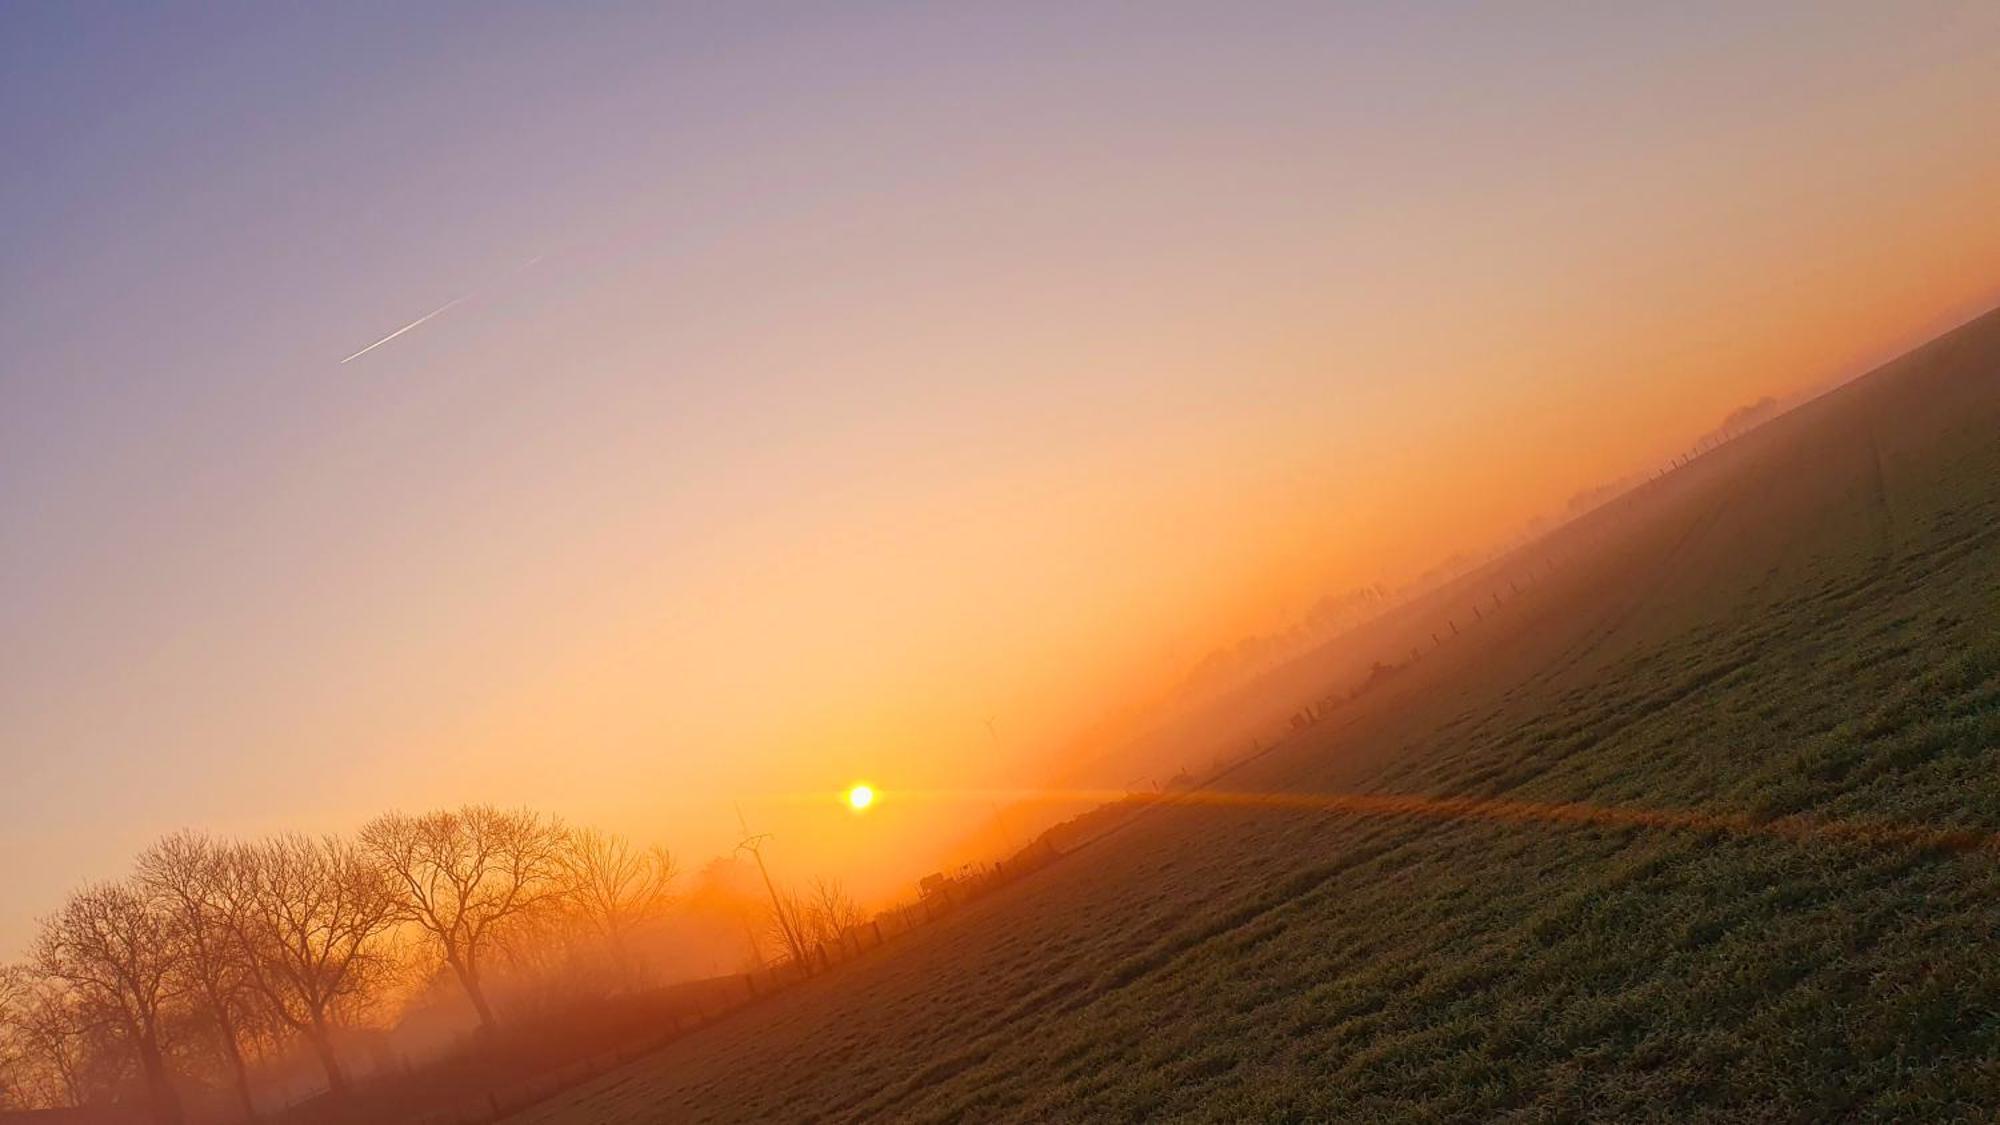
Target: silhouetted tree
[(188, 876), (114, 950), (52, 1042), (465, 876), (725, 892), (616, 887), (786, 920), (830, 911), (310, 916), (14, 1080)]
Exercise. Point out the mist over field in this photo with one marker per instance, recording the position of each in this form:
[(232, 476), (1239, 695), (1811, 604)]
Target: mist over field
[(1032, 563)]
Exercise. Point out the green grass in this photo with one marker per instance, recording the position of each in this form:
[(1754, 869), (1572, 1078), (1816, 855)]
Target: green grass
[(1804, 626)]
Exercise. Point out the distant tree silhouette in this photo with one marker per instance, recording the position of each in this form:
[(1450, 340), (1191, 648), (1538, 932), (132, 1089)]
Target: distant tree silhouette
[(52, 1042), (464, 876), (830, 911), (216, 951), (187, 876), (311, 916), (819, 916), (113, 948), (787, 921), (724, 890), (616, 888), (14, 1063)]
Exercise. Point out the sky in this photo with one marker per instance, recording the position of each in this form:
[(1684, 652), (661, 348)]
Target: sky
[(824, 381)]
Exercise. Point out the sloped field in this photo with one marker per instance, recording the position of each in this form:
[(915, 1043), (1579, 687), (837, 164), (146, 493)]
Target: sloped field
[(1788, 644)]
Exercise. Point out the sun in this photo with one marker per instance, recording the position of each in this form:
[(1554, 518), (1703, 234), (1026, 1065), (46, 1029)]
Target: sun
[(860, 797)]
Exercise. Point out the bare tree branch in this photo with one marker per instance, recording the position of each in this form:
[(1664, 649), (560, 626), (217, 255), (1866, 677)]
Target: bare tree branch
[(187, 876), (311, 918), (113, 948), (465, 876), (617, 888)]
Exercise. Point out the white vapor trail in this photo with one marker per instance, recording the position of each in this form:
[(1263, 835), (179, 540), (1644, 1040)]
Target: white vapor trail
[(442, 309)]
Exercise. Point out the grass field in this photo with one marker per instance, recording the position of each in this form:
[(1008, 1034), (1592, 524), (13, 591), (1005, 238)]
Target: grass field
[(1798, 635)]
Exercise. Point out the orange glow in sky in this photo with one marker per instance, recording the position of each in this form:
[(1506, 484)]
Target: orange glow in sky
[(893, 395)]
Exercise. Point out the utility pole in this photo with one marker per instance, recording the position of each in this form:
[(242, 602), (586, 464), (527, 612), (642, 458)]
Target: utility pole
[(754, 845)]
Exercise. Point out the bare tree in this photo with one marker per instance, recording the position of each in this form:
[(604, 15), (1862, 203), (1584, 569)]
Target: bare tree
[(783, 917), (114, 949), (13, 1054), (311, 917), (465, 876), (52, 1043), (831, 912), (188, 875), (617, 888), (787, 920), (725, 894)]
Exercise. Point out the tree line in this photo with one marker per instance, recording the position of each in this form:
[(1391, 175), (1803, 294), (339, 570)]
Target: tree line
[(213, 953)]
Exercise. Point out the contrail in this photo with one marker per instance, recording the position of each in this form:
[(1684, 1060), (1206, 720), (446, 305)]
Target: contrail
[(442, 309), (439, 311)]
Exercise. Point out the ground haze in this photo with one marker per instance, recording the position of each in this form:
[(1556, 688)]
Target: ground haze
[(1792, 644)]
